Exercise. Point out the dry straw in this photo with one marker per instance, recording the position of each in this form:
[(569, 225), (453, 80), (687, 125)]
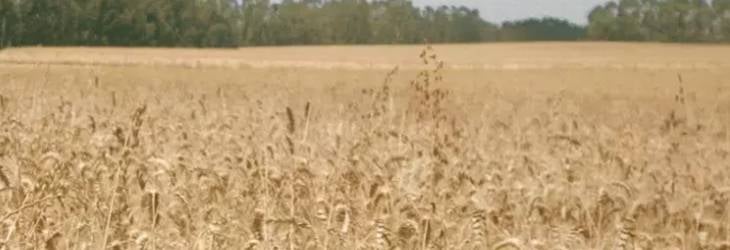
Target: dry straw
[(420, 160)]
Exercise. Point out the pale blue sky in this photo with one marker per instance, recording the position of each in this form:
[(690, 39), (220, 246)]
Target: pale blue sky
[(502, 10)]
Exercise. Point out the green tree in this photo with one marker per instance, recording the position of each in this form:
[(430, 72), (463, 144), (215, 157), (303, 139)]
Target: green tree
[(628, 18), (395, 21), (9, 22), (253, 25), (348, 21), (544, 29), (40, 21), (466, 25), (661, 20), (702, 19), (297, 22), (229, 23), (722, 14), (603, 22)]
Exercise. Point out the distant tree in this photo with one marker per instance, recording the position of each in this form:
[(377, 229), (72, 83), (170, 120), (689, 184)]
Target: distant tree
[(466, 25), (544, 29), (41, 21), (701, 21), (348, 21), (721, 28), (395, 21), (436, 24), (9, 22), (628, 18), (253, 24), (230, 23), (295, 22), (603, 22), (219, 20), (660, 20)]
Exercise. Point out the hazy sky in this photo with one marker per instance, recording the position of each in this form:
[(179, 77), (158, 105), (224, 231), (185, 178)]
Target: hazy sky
[(501, 10)]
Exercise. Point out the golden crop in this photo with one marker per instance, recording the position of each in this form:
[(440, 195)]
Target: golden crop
[(504, 146)]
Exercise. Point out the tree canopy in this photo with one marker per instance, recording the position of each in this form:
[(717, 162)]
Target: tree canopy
[(545, 29), (232, 23), (661, 20)]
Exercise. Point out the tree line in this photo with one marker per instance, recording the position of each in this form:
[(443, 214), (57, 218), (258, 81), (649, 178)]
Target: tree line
[(233, 23), (661, 20)]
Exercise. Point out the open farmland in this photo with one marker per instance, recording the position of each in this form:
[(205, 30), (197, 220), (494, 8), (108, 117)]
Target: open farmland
[(499, 146)]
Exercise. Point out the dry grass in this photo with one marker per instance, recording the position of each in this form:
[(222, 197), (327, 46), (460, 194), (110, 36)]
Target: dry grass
[(583, 154), (502, 56)]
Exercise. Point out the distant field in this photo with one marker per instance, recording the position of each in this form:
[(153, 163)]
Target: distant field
[(621, 70), (500, 56), (503, 146)]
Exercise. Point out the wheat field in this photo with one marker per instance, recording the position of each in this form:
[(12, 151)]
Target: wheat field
[(496, 146)]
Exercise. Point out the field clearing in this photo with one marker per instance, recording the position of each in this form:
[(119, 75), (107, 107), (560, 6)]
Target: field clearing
[(507, 146)]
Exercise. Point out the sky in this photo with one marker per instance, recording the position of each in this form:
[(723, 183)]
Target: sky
[(507, 10)]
